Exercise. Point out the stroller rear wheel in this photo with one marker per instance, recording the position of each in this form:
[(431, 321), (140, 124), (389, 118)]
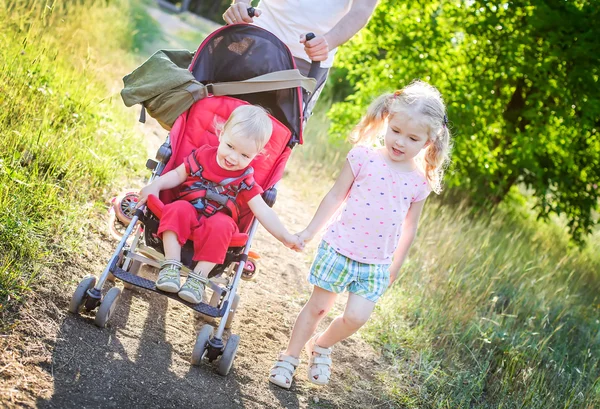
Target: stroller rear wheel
[(201, 344), (80, 295), (229, 352), (107, 307), (250, 270)]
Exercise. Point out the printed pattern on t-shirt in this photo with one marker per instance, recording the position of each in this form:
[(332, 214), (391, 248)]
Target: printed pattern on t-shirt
[(368, 226)]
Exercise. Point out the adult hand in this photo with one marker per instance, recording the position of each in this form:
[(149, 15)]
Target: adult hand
[(238, 13), (317, 49)]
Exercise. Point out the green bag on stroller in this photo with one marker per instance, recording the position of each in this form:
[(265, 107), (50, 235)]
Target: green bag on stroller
[(164, 86)]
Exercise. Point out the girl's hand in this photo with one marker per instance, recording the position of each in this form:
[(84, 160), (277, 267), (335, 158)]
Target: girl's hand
[(146, 191), (305, 236), (293, 242)]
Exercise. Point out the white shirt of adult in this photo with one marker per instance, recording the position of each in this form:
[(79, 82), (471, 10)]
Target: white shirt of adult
[(289, 19)]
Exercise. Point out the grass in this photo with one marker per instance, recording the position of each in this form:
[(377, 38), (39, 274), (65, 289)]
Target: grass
[(64, 133), (491, 311)]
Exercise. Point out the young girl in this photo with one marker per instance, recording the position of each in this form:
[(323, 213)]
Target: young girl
[(243, 136), (380, 194)]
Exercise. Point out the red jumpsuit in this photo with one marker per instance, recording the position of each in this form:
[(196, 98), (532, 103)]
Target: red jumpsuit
[(211, 235)]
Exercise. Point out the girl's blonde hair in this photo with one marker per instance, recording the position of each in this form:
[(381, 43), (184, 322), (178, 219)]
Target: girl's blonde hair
[(248, 121), (423, 103)]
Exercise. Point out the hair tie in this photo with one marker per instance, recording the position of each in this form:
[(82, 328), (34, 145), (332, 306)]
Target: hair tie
[(445, 120), (397, 93)]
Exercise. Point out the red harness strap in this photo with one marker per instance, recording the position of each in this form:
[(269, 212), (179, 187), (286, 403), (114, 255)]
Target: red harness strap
[(209, 197)]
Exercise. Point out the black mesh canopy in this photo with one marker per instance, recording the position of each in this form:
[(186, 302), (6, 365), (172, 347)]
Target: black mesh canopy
[(241, 51)]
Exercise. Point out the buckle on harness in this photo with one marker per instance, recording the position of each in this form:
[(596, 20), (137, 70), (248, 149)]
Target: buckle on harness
[(209, 210)]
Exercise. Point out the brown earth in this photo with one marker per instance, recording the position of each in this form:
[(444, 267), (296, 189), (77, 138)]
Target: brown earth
[(52, 359)]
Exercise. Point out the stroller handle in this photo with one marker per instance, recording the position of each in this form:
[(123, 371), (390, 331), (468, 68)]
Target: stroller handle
[(251, 11), (314, 65)]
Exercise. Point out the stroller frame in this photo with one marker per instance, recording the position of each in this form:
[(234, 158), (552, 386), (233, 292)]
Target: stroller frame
[(224, 279)]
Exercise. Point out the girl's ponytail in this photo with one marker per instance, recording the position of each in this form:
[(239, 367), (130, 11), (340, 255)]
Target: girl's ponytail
[(436, 157), (369, 127)]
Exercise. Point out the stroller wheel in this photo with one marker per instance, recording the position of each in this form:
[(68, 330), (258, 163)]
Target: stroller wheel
[(234, 306), (107, 306), (250, 270), (124, 206), (201, 342), (80, 294), (226, 361)]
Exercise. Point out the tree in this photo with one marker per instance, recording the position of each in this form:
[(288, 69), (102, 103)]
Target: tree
[(521, 83)]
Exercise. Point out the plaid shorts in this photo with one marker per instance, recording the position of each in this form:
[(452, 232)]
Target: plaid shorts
[(334, 272)]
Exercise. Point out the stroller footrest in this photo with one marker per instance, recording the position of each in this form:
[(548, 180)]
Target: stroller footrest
[(149, 285)]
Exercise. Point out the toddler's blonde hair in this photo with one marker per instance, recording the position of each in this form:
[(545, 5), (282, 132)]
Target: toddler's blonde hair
[(248, 121), (423, 103)]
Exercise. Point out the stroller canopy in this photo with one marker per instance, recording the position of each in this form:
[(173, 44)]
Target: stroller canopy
[(242, 51)]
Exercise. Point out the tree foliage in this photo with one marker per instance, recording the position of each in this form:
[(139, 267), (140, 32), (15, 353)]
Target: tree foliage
[(520, 80)]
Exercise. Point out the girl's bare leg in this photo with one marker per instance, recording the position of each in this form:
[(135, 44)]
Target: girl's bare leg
[(312, 313), (356, 314)]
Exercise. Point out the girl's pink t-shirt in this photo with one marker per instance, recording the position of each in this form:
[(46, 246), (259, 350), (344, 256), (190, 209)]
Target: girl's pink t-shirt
[(368, 225)]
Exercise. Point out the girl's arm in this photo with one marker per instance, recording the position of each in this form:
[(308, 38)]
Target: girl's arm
[(169, 180), (409, 231), (269, 219), (330, 203)]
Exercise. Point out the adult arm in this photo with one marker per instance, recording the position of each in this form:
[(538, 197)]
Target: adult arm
[(409, 231), (330, 203), (357, 17)]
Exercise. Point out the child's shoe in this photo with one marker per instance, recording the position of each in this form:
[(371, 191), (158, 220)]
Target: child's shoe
[(168, 278), (193, 289)]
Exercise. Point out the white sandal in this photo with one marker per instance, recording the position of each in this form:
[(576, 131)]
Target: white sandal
[(319, 362), (283, 371)]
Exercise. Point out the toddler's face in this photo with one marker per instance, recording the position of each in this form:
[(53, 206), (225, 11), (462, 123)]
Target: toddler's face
[(235, 152), (404, 138)]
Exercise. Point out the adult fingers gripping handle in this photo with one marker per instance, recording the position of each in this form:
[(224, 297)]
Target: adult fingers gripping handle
[(315, 65)]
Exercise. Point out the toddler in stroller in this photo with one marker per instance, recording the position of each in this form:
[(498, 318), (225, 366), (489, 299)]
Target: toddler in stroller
[(217, 183), (257, 68)]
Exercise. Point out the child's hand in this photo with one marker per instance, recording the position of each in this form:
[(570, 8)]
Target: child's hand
[(305, 236), (293, 242), (145, 192)]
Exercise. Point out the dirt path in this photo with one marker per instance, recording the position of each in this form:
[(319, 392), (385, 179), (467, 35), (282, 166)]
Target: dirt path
[(53, 359)]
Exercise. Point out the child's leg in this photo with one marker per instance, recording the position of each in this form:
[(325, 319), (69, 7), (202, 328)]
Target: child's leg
[(171, 245), (356, 314), (211, 240), (176, 224), (312, 313)]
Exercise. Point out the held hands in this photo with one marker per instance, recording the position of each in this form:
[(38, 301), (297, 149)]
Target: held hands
[(317, 49), (292, 241), (238, 13)]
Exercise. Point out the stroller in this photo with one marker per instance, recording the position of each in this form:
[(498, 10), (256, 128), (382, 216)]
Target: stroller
[(230, 54)]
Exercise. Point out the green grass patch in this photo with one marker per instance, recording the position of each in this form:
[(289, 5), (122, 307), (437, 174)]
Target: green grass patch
[(64, 132), (493, 313)]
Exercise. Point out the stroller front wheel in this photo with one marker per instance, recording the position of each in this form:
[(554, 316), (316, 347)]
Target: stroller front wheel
[(201, 342), (107, 307), (229, 352), (80, 295)]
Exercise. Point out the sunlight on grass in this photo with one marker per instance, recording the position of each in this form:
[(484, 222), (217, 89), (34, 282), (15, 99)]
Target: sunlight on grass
[(64, 133)]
